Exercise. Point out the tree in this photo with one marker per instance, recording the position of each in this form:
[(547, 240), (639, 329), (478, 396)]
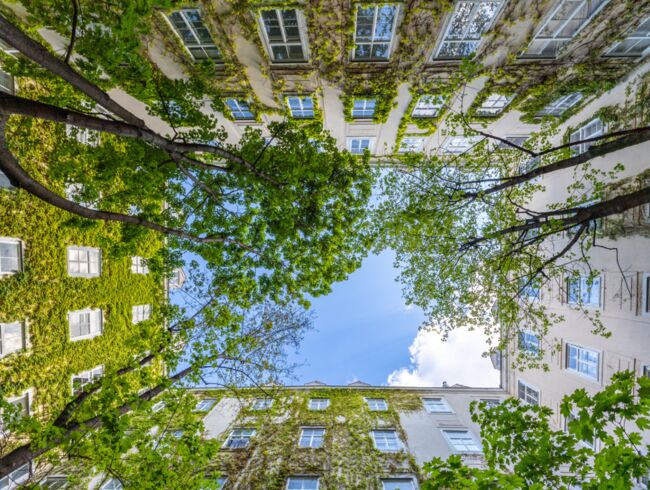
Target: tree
[(523, 450), (114, 429), (474, 251), (261, 224)]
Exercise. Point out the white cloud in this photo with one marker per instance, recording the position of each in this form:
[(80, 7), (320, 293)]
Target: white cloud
[(456, 360)]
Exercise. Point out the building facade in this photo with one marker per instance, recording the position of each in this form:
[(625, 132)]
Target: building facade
[(354, 437)]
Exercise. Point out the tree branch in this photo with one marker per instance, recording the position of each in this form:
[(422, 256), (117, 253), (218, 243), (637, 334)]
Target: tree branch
[(73, 34)]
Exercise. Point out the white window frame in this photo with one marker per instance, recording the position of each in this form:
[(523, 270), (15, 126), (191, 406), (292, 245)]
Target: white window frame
[(583, 132), (364, 109), (302, 477), (401, 479), (560, 105), (645, 370), (239, 109), (17, 477), (237, 434), (377, 404), (112, 484), (140, 313), (27, 394), (437, 404), (645, 294), (582, 285), (452, 144), (351, 144), (138, 265), (527, 344), (637, 35), (302, 42), (95, 327), (7, 82), (205, 404), (3, 342), (446, 433), (199, 45), (19, 244), (411, 144), (308, 435), (428, 106), (494, 105), (374, 41), (527, 396), (517, 139), (555, 38), (83, 136), (311, 112), (491, 402), (473, 42), (91, 375), (315, 404), (262, 404), (89, 253), (580, 361), (387, 441)]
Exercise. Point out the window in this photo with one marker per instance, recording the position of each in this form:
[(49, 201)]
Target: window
[(84, 136), (581, 290), (240, 109), (84, 261), (301, 107), (363, 108), (112, 484), (561, 104), (374, 32), (53, 482), (561, 25), (589, 443), (490, 402), (139, 265), (527, 393), (85, 324), (516, 140), (23, 403), (529, 342), (5, 183), (386, 440), (15, 478), (195, 36), (467, 24), (319, 403), (494, 105), (377, 404), (592, 129), (645, 294), (357, 146), (462, 441), (158, 406), (13, 337), (437, 405), (6, 82), (409, 145), (398, 484), (428, 106), (78, 194), (302, 483), (80, 380), (204, 405), (311, 437), (11, 256), (239, 438), (583, 361), (459, 144), (140, 313), (646, 370), (262, 403), (635, 44), (281, 28)]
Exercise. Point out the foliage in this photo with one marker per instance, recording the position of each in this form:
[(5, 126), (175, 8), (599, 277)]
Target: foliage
[(347, 459), (523, 450)]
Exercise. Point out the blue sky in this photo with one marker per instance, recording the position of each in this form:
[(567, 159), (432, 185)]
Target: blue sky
[(364, 331)]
